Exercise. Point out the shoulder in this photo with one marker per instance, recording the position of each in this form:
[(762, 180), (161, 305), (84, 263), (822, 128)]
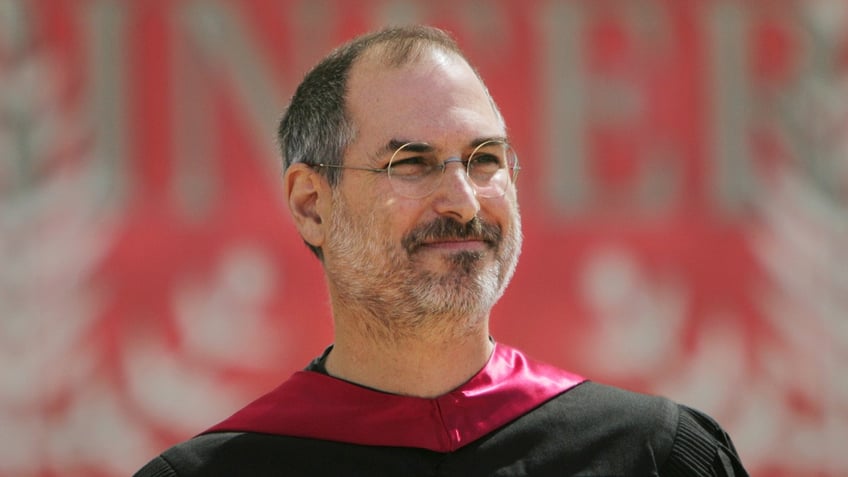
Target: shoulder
[(188, 458), (590, 429), (225, 454), (614, 410), (613, 431), (607, 417), (229, 453)]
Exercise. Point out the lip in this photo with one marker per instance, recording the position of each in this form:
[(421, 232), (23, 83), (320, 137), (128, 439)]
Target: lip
[(456, 245)]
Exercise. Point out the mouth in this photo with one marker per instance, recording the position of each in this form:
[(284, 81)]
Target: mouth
[(456, 244), (448, 235)]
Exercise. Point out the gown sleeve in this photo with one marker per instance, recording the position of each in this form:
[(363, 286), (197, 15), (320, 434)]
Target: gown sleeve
[(157, 467), (701, 448)]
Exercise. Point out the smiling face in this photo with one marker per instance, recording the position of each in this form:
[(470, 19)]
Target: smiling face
[(416, 262)]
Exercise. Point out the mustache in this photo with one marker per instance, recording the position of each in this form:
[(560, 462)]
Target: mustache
[(446, 228)]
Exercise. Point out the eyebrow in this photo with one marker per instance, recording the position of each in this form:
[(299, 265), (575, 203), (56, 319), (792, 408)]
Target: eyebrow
[(418, 146)]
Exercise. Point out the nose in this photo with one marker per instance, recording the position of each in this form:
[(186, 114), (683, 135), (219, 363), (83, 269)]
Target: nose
[(455, 195)]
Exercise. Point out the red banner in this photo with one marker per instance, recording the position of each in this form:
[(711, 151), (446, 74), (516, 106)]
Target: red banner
[(684, 188)]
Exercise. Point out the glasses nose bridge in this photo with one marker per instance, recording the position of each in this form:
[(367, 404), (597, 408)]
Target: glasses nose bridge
[(464, 175), (463, 166), (455, 159)]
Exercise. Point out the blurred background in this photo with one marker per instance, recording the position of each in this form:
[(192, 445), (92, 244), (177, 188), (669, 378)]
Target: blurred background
[(684, 190)]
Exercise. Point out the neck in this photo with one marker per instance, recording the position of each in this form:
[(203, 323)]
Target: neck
[(425, 365)]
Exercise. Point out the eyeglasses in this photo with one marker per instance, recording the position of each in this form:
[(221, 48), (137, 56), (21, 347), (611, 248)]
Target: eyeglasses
[(415, 170)]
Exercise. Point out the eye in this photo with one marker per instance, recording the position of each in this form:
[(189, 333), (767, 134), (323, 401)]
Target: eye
[(486, 163), (412, 167), (486, 158)]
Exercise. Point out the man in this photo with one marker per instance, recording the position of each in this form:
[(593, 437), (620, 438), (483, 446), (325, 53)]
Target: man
[(400, 178)]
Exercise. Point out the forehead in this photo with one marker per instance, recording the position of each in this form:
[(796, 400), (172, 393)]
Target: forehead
[(436, 98)]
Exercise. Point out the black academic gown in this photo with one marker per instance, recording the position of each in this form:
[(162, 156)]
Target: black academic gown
[(516, 417)]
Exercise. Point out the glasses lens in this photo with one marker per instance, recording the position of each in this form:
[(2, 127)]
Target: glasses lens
[(414, 170), (491, 167)]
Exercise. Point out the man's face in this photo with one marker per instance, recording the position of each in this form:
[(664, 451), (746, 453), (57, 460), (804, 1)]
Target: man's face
[(409, 261)]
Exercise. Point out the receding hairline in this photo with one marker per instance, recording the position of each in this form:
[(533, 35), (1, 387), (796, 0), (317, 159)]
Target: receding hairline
[(405, 46), (402, 45)]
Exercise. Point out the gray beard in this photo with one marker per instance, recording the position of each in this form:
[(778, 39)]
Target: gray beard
[(397, 298)]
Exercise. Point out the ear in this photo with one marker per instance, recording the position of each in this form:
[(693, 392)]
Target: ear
[(308, 195)]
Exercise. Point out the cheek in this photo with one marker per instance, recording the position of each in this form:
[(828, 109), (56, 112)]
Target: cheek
[(395, 232), (503, 211), (398, 217)]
